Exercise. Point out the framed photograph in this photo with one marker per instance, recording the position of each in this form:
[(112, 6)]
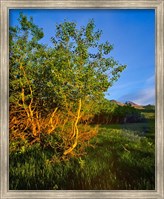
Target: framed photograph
[(82, 99)]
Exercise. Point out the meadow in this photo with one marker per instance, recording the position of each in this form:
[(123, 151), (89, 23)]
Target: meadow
[(120, 157)]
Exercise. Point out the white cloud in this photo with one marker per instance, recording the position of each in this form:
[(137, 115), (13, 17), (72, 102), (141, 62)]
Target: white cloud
[(117, 87), (143, 97), (146, 96), (151, 80), (148, 82)]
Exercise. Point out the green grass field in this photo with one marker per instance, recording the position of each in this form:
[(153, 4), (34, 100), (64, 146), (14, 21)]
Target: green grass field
[(146, 129), (121, 157)]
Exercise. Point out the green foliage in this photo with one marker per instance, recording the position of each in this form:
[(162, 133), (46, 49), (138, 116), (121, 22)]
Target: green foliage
[(120, 160), (68, 71), (110, 112), (70, 77), (149, 112), (149, 108), (77, 70), (34, 171), (25, 54), (130, 156)]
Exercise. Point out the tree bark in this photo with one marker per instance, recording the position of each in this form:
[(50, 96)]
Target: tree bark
[(76, 131)]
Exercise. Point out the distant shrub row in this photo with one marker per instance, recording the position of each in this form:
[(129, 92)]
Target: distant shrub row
[(113, 113)]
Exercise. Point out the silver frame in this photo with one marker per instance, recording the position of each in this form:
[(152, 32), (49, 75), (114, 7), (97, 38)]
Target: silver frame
[(158, 5)]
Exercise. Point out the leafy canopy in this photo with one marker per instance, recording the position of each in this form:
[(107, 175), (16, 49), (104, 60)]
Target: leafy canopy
[(77, 66), (53, 89)]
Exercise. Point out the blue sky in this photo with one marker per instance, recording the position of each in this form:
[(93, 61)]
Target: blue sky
[(132, 33)]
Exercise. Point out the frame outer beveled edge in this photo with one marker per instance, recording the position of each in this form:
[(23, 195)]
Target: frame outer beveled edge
[(159, 6), (4, 100), (160, 99)]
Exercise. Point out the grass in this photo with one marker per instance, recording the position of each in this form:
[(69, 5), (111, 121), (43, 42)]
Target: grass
[(146, 129), (119, 160), (121, 157), (126, 160)]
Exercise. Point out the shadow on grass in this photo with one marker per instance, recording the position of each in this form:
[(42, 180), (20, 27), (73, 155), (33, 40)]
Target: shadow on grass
[(146, 129), (120, 159)]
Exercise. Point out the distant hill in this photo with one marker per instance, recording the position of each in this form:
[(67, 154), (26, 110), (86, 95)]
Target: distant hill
[(131, 103), (134, 105), (127, 103), (118, 103), (149, 108)]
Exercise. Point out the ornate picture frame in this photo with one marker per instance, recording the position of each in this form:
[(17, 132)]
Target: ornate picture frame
[(158, 5)]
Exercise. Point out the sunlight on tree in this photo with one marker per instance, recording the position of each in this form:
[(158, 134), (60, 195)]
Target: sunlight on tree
[(55, 89)]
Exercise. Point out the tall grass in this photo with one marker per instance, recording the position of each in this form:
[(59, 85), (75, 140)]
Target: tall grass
[(124, 161), (118, 159)]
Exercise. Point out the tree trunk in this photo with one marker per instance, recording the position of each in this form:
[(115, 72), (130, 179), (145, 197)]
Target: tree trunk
[(76, 131)]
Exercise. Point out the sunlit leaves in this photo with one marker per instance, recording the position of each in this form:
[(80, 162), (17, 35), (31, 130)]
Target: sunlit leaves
[(77, 69)]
